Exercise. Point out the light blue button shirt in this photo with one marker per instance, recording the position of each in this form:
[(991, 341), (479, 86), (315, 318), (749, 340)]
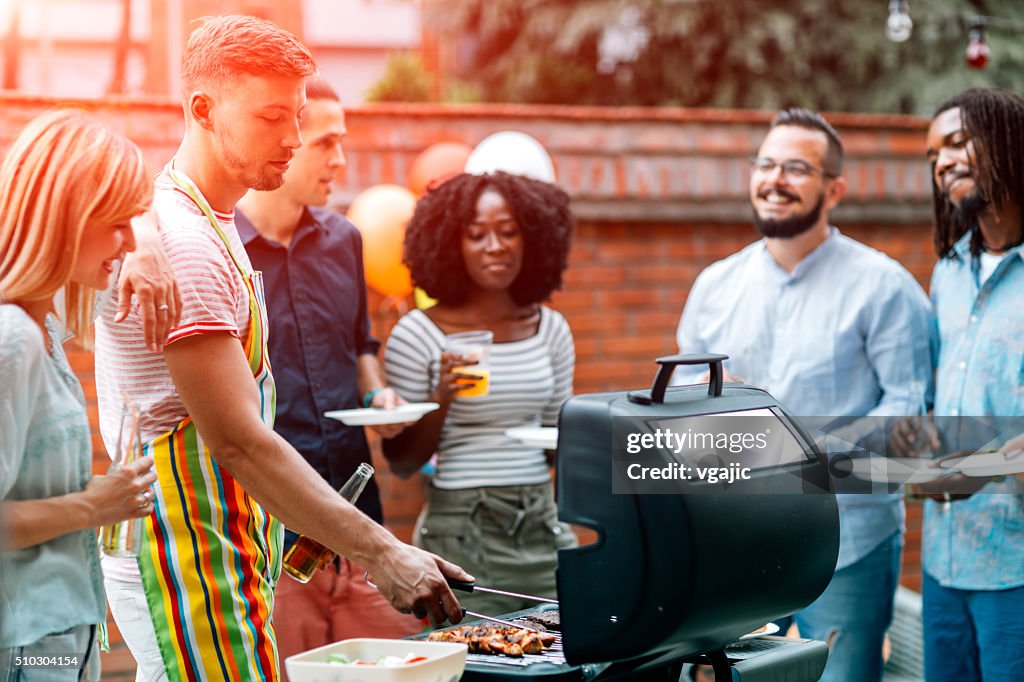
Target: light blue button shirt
[(45, 451), (978, 543), (844, 335)]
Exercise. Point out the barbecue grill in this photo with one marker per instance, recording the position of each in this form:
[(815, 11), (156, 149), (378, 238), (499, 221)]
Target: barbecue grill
[(680, 576)]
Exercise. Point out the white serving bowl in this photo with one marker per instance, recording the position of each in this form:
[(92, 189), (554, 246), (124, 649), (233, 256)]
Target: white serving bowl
[(445, 662)]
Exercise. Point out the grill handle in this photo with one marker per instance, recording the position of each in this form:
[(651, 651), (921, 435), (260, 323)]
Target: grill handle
[(668, 365)]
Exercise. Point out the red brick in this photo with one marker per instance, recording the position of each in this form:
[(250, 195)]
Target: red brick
[(647, 346), (716, 249), (611, 231), (584, 323), (591, 275), (387, 170), (581, 300), (663, 275), (910, 144), (643, 250), (630, 298), (862, 181), (861, 143), (684, 250), (587, 348), (732, 140), (665, 180), (610, 373), (663, 323), (621, 182)]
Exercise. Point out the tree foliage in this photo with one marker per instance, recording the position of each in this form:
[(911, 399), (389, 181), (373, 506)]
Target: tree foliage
[(405, 79), (730, 53)]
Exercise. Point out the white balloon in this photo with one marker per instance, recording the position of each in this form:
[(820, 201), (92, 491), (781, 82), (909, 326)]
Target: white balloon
[(513, 152)]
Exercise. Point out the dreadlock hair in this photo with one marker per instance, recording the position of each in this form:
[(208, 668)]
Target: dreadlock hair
[(994, 118), (433, 237), (803, 118)]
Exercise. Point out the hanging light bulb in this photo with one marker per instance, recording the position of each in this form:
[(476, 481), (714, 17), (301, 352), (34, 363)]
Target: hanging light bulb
[(977, 52), (899, 25)]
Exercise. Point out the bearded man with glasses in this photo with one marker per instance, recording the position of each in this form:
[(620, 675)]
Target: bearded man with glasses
[(831, 328)]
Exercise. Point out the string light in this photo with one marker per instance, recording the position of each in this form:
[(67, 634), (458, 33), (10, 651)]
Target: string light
[(899, 26), (977, 52)]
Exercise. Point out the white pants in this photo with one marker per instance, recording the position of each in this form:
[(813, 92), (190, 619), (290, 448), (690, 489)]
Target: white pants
[(131, 613)]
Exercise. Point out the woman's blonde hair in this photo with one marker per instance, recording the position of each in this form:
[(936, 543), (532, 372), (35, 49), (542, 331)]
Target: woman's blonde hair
[(64, 172)]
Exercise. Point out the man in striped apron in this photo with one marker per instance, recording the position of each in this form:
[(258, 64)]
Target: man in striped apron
[(198, 603)]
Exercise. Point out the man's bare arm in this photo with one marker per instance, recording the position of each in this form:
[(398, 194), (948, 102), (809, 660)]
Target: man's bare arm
[(148, 275), (213, 378)]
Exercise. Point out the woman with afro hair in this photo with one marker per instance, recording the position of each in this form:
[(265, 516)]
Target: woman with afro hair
[(489, 248)]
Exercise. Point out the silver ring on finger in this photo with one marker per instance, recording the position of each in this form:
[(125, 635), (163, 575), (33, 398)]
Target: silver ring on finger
[(163, 307)]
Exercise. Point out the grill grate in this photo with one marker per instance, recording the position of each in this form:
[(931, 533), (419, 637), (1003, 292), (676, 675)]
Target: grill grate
[(551, 655)]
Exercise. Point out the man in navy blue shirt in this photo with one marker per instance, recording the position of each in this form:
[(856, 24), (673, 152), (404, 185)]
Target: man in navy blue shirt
[(324, 358)]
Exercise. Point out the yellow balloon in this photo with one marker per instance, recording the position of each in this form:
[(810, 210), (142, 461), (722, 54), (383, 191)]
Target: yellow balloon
[(423, 301), (381, 214)]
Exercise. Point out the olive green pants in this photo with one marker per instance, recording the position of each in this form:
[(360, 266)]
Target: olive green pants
[(507, 537)]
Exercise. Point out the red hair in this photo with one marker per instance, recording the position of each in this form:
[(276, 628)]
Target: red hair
[(225, 47)]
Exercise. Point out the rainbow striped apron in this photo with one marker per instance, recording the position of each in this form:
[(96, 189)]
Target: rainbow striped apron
[(212, 555)]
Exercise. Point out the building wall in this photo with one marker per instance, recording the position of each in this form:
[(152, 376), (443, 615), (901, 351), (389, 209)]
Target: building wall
[(659, 195), (67, 46)]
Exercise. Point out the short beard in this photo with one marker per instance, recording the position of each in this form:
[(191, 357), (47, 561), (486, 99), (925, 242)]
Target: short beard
[(971, 206), (787, 228), (261, 182)]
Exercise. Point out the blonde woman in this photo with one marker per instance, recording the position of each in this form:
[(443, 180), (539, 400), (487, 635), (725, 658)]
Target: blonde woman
[(69, 188)]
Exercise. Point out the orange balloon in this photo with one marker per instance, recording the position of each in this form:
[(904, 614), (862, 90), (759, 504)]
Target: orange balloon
[(381, 213), (435, 164)]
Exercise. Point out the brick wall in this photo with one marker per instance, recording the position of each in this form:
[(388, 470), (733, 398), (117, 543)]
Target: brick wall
[(659, 195)]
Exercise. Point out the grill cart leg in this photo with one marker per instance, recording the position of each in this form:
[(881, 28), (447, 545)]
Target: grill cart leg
[(720, 664)]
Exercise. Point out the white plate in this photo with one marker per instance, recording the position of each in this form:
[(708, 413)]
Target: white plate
[(769, 629), (544, 437), (371, 416), (985, 464), (897, 470)]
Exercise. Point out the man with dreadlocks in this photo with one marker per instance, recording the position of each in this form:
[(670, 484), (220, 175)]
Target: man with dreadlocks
[(973, 550)]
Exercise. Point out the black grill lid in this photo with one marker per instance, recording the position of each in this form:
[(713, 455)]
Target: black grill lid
[(685, 573)]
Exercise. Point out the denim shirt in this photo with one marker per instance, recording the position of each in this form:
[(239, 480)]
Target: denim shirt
[(843, 335), (978, 543), (45, 451)]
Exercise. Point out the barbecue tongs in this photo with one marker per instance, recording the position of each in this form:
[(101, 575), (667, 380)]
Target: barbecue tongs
[(463, 586)]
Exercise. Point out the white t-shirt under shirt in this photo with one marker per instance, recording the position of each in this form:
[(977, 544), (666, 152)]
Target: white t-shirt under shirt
[(988, 264), (214, 300), (530, 379)]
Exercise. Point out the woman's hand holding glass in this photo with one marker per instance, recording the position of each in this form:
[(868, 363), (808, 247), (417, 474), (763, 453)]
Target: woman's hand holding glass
[(450, 383), (122, 493)]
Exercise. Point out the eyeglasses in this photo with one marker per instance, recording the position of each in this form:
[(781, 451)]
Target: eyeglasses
[(794, 169)]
